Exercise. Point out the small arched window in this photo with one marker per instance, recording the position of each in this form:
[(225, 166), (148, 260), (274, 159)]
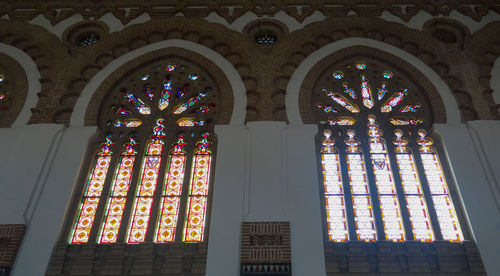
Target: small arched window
[(382, 175), (150, 179)]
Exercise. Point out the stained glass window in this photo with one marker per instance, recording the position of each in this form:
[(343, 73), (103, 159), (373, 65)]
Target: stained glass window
[(92, 195), (160, 118), (392, 194)]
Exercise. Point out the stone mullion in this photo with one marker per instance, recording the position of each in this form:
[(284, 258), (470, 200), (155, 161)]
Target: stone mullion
[(377, 213), (403, 208), (426, 190), (134, 185), (346, 185)]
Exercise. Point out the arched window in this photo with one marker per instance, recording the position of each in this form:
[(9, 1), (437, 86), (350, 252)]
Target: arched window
[(150, 179), (382, 175)]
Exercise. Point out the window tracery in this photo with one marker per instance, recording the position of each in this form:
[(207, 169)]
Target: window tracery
[(382, 180), (159, 119)]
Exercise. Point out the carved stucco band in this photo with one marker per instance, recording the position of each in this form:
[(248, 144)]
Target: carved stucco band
[(59, 10)]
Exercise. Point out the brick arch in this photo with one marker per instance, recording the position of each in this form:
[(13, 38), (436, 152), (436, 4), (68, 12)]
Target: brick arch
[(48, 55), (446, 61), (17, 87), (85, 65), (225, 110), (361, 52)]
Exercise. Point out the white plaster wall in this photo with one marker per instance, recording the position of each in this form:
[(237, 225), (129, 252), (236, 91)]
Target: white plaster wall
[(227, 201), (266, 192), (24, 155), (266, 171), (303, 190), (474, 185), (43, 230)]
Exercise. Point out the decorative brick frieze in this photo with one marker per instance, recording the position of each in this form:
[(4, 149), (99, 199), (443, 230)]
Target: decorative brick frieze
[(408, 258), (126, 10), (265, 248), (174, 259), (11, 236)]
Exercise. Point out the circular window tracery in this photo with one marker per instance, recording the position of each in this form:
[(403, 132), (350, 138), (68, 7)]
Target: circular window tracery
[(346, 94), (176, 90)]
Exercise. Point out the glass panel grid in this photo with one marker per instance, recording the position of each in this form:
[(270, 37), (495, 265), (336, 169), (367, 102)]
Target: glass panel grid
[(169, 208), (334, 196), (389, 205), (445, 211), (415, 201), (117, 201), (144, 198), (363, 212), (197, 202), (88, 207)]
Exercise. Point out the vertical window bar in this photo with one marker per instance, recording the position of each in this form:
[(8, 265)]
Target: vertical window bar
[(389, 204), (445, 211), (118, 198), (415, 201), (148, 179), (172, 190), (334, 194), (361, 199), (92, 194), (194, 226)]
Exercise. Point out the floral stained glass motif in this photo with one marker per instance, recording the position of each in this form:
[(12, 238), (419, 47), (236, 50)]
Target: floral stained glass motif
[(415, 200), (409, 108), (188, 122), (366, 92), (394, 100), (342, 101), (171, 197), (445, 211), (327, 108), (148, 91), (384, 180), (340, 121), (204, 109), (138, 104), (116, 202), (92, 194), (198, 191), (403, 121), (120, 110), (129, 122), (181, 108), (361, 199), (334, 192), (141, 210), (165, 95), (382, 90), (348, 90)]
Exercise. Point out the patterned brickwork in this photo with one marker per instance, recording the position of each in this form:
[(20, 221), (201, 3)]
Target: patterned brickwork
[(264, 70), (408, 258), (173, 259), (11, 236), (126, 10), (265, 248)]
